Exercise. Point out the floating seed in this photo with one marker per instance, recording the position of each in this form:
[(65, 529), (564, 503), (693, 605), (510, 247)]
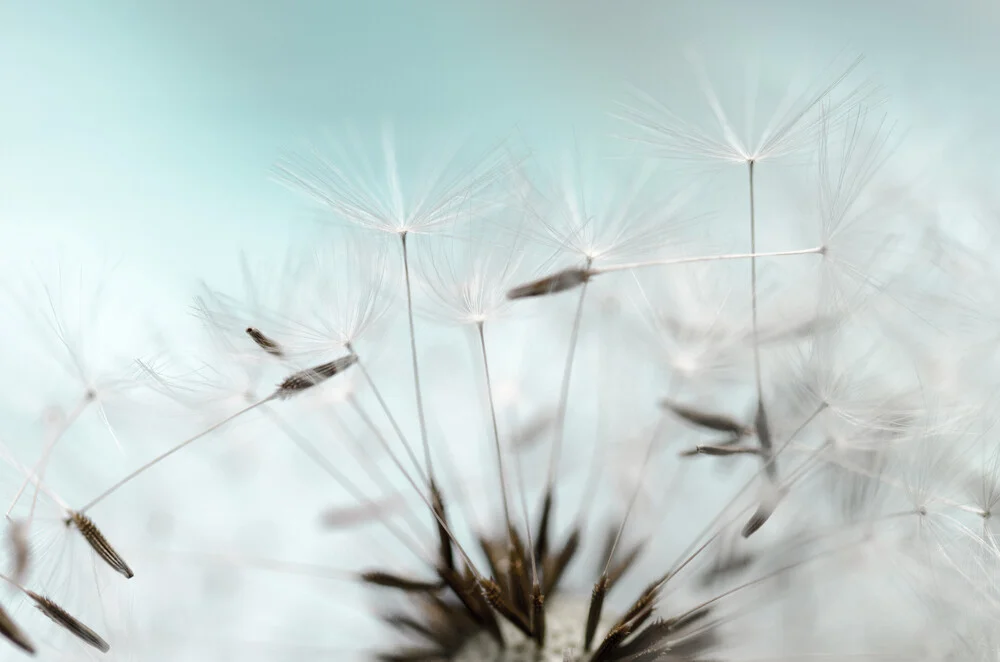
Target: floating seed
[(310, 377), (63, 618), (720, 451), (10, 631), (265, 343), (757, 520), (557, 282), (99, 543), (19, 549), (707, 420)]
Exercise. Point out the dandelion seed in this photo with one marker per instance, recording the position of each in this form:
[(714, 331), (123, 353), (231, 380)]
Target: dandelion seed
[(265, 343), (708, 420), (99, 543), (64, 619), (401, 583), (720, 451), (14, 634), (558, 282), (306, 379)]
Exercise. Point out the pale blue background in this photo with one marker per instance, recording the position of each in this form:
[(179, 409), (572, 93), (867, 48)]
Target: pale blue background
[(146, 132)]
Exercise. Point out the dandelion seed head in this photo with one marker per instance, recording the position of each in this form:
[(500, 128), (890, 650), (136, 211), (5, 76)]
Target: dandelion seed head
[(565, 620)]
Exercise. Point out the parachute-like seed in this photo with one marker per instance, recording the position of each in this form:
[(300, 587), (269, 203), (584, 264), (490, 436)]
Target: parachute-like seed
[(305, 379), (560, 281), (99, 543), (63, 618)]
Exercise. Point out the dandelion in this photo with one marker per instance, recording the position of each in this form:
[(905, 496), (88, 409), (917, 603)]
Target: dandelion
[(845, 469)]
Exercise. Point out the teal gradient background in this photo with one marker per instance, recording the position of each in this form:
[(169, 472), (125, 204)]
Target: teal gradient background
[(145, 134)]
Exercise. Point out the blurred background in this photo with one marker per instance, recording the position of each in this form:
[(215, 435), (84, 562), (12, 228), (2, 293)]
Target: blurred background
[(137, 142)]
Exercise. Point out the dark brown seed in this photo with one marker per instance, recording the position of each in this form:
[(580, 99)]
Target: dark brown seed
[(766, 443), (594, 613), (757, 520), (444, 539), (556, 564), (310, 377), (560, 281), (611, 642), (63, 618), (265, 343), (720, 451), (707, 420), (538, 614), (99, 543), (495, 597), (474, 602), (542, 539), (11, 632), (390, 580)]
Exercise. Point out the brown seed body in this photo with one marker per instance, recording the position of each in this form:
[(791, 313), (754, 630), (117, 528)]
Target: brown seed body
[(707, 420), (310, 377), (560, 281), (11, 632), (19, 549), (63, 618), (265, 343), (99, 543)]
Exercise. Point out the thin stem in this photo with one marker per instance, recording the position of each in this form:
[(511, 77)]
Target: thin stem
[(43, 461), (413, 357), (272, 565), (635, 493), (564, 389), (704, 258), (388, 414), (106, 493), (375, 472), (753, 284), (406, 474), (688, 555), (496, 432), (322, 462)]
